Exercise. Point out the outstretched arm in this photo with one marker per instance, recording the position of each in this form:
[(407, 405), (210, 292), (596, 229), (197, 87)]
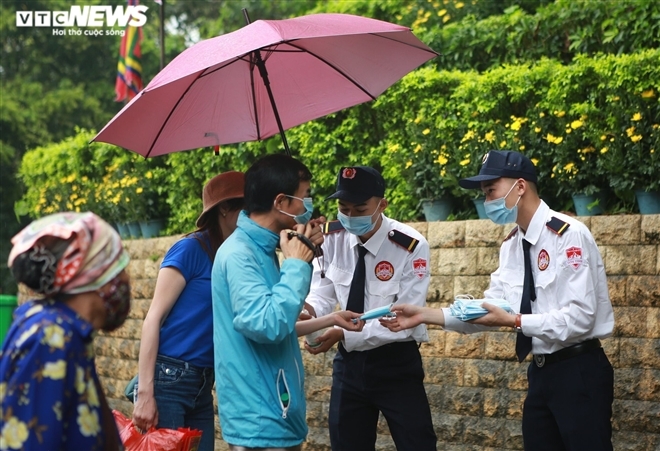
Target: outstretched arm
[(341, 318), (409, 316)]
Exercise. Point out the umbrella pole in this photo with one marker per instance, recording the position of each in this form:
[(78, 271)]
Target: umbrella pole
[(264, 76)]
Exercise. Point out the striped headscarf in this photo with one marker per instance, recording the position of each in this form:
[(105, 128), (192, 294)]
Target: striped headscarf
[(79, 252)]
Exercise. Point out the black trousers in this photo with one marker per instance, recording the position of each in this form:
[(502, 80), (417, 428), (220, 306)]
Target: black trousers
[(569, 404), (389, 379)]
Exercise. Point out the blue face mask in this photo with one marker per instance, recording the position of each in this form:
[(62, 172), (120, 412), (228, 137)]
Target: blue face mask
[(498, 213), (357, 225), (302, 218)]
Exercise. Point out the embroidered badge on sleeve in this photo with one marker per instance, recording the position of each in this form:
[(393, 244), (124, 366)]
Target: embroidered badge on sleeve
[(419, 267), (574, 257)]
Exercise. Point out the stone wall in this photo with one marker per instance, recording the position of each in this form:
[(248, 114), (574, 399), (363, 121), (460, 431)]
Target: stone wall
[(474, 384)]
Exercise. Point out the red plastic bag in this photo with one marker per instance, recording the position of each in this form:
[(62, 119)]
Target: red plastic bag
[(183, 439)]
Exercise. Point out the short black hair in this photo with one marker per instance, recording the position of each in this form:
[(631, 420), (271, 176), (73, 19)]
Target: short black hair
[(270, 176)]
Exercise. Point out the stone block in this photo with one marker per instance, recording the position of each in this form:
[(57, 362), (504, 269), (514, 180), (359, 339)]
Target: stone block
[(118, 348), (488, 260), (316, 414), (318, 388), (113, 368), (515, 375), (149, 248), (447, 234), (500, 345), (318, 439), (611, 347), (639, 352), (445, 371), (630, 321), (641, 384), (642, 416), (503, 403), (452, 262), (441, 289), (616, 229), (143, 288), (653, 323), (650, 229), (465, 346), (479, 233), (448, 427), (139, 308), (484, 373), (630, 259), (616, 286), (635, 441), (132, 328), (435, 347), (483, 431), (643, 291), (472, 285), (421, 227)]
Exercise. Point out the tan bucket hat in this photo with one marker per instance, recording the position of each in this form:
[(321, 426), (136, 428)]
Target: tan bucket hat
[(228, 185)]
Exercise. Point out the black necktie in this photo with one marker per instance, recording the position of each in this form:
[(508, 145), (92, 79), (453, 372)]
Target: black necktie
[(356, 294), (523, 342)]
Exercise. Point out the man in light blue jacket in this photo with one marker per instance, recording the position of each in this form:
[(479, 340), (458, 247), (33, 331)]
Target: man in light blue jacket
[(258, 365)]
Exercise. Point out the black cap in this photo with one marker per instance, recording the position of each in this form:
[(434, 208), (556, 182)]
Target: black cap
[(501, 163), (358, 184)]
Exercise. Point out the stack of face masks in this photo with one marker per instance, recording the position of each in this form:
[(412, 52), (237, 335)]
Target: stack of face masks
[(465, 307)]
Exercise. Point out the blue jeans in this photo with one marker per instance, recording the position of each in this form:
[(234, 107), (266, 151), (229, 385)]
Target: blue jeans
[(184, 398)]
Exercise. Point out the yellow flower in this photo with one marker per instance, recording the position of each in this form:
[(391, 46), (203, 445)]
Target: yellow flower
[(569, 167), (541, 114), (603, 150), (55, 370), (537, 129), (465, 162), (92, 394), (139, 190), (71, 178), (442, 160), (80, 380), (426, 131), (630, 131), (648, 94), (576, 124), (553, 139), (469, 135), (442, 12), (149, 174), (636, 117), (603, 137), (88, 420), (535, 161), (490, 136), (53, 336), (636, 138), (503, 144), (14, 434), (459, 5), (523, 148), (560, 113), (516, 125), (587, 149), (417, 148), (408, 164), (446, 18)]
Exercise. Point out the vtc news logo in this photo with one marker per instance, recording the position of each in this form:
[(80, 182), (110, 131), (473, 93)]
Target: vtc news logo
[(84, 16)]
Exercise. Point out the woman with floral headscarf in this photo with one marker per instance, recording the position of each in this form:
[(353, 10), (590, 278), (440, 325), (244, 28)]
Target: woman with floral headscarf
[(50, 393)]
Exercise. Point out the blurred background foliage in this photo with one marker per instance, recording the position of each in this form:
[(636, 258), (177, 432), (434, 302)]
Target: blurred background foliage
[(573, 84)]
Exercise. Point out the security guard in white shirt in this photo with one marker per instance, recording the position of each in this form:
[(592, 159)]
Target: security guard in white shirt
[(375, 369), (562, 304)]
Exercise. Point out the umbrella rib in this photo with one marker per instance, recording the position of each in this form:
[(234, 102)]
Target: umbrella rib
[(169, 115), (254, 96)]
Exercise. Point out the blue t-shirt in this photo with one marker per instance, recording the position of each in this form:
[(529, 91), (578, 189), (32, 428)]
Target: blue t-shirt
[(187, 333)]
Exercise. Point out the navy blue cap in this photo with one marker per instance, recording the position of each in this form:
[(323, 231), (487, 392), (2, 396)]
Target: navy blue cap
[(357, 184), (501, 163)]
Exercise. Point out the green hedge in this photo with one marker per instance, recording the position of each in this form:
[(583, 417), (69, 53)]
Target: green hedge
[(593, 124), (561, 30)]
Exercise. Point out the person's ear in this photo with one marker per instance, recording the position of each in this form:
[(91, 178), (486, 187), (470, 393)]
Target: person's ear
[(279, 200), (383, 204)]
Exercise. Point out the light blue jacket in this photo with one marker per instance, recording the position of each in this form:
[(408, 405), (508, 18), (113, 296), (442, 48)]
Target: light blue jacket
[(257, 354)]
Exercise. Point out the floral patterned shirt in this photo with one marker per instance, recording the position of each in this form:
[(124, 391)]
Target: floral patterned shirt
[(49, 389)]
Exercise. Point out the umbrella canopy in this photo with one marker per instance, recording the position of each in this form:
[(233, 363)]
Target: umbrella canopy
[(214, 92)]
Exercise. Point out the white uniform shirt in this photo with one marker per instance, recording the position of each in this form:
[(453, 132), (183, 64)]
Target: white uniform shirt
[(393, 274), (572, 301)]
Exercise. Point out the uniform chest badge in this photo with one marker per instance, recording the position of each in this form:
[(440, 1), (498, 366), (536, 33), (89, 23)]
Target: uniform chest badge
[(543, 260), (574, 257), (419, 267), (384, 271)]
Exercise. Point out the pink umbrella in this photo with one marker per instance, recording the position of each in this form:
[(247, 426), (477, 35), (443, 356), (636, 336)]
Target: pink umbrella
[(267, 77)]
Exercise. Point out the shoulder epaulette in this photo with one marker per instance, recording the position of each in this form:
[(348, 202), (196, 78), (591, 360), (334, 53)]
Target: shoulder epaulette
[(332, 227), (407, 242), (511, 234), (557, 225)]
